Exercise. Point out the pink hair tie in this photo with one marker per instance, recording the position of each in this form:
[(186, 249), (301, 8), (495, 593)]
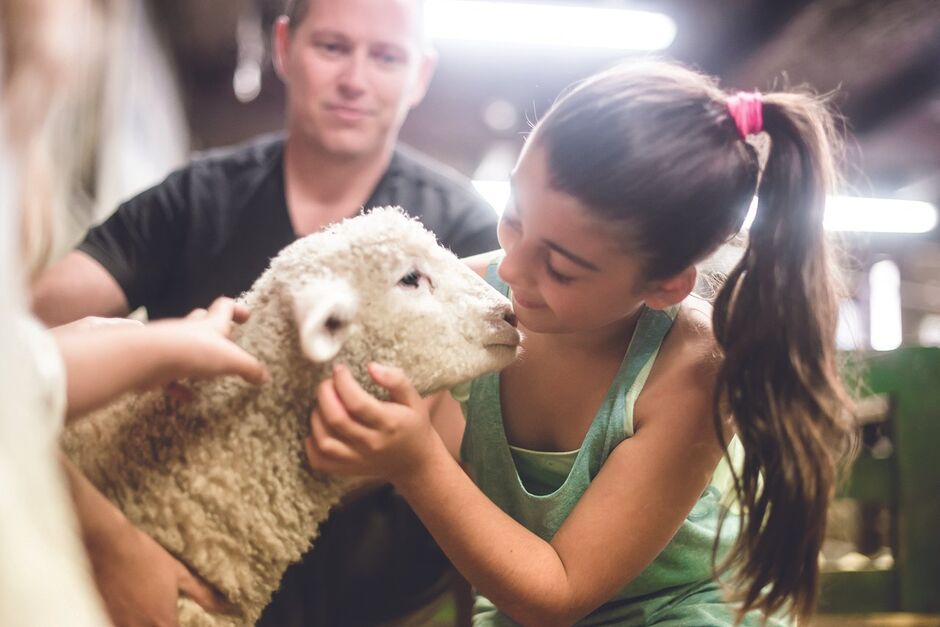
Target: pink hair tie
[(747, 111)]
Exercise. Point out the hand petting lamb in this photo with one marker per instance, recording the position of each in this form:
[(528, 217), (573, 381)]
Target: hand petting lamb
[(222, 481)]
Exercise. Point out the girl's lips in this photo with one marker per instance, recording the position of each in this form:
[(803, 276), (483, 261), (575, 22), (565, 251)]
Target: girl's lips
[(525, 303)]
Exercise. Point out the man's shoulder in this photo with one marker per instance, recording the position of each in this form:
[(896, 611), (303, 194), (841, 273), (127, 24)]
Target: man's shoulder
[(443, 199), (260, 152)]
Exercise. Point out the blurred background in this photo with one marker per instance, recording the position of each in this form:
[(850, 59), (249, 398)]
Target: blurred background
[(189, 75), (192, 75)]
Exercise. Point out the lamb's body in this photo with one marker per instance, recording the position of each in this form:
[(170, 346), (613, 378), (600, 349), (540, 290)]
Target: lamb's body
[(222, 482)]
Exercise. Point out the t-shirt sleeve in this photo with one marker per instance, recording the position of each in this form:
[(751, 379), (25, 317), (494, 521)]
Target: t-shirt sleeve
[(139, 244), (475, 230)]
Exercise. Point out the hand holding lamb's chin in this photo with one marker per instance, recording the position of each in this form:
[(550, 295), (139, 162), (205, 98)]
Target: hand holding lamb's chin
[(353, 433)]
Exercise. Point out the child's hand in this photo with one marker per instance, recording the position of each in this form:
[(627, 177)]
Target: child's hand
[(354, 433), (202, 345)]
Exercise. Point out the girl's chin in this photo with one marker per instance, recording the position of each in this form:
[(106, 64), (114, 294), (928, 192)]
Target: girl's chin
[(537, 321)]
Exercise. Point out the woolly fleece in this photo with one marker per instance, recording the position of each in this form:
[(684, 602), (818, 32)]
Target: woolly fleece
[(222, 482)]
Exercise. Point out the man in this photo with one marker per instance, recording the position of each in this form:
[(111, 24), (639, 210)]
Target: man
[(353, 70)]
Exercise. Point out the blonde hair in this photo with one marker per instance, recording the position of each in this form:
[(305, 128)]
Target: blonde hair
[(46, 74)]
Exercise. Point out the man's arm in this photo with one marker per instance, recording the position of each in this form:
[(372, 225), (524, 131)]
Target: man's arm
[(75, 287), (475, 233)]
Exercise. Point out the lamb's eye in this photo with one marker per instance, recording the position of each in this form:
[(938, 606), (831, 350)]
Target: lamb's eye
[(412, 279)]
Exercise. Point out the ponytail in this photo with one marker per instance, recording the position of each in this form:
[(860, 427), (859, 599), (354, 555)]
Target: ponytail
[(775, 320)]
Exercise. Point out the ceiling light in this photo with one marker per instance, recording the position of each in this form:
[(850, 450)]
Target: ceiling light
[(884, 282), (548, 25), (871, 215), (843, 213)]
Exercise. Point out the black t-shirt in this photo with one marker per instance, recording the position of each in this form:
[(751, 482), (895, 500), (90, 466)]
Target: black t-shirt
[(211, 228)]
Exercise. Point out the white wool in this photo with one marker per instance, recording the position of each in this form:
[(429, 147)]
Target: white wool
[(222, 482)]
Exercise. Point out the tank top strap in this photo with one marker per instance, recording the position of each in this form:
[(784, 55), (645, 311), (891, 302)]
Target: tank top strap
[(651, 330), (493, 278)]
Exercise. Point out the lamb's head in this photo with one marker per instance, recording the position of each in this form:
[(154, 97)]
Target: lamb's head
[(379, 287)]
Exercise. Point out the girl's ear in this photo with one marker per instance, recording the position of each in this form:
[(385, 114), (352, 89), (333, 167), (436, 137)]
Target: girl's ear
[(668, 292)]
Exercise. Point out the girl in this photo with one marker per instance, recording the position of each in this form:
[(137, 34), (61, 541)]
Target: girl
[(598, 484)]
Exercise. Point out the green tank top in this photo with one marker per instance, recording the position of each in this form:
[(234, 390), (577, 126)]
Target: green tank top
[(539, 490)]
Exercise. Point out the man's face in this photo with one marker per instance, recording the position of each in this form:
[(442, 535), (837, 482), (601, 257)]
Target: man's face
[(353, 69)]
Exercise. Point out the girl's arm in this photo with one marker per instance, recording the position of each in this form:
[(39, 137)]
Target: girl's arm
[(103, 363), (627, 516)]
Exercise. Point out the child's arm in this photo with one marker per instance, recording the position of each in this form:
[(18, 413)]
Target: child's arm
[(103, 363), (628, 515)]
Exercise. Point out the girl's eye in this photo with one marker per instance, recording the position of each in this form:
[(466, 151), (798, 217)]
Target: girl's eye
[(557, 276), (412, 279)]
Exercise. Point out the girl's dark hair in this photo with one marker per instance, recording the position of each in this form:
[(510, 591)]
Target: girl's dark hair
[(653, 148)]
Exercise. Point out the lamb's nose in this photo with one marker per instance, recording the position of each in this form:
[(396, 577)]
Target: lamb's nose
[(510, 318)]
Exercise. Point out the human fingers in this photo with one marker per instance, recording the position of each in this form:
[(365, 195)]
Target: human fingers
[(197, 314), (400, 388), (222, 313), (235, 360), (335, 416), (201, 593), (360, 404), (325, 452), (240, 313)]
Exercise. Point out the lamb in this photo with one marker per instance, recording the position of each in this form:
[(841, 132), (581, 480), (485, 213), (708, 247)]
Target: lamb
[(222, 481)]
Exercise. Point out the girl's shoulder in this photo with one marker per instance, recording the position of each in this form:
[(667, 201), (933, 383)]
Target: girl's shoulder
[(686, 367), (690, 341), (481, 262)]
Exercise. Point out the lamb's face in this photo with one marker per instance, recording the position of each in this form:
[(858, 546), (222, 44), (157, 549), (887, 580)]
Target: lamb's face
[(437, 320), (405, 301)]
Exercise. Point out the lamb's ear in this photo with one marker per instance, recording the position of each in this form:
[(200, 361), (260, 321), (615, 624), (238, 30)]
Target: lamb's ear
[(324, 310)]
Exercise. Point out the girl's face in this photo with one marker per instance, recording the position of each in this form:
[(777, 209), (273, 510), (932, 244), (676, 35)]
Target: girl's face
[(566, 269)]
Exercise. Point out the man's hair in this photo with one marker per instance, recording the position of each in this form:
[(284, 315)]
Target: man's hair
[(296, 11)]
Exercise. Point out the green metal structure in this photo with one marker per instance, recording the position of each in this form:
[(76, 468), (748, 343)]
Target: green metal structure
[(906, 482)]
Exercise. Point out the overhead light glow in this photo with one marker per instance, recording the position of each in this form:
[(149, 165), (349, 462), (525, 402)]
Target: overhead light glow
[(879, 215), (494, 192), (884, 282), (871, 215), (843, 213), (548, 25)]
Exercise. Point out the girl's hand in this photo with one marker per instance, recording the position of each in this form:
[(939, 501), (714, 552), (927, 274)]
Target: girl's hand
[(354, 433), (202, 345)]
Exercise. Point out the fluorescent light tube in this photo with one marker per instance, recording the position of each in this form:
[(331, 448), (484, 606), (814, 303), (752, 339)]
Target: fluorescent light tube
[(548, 25)]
